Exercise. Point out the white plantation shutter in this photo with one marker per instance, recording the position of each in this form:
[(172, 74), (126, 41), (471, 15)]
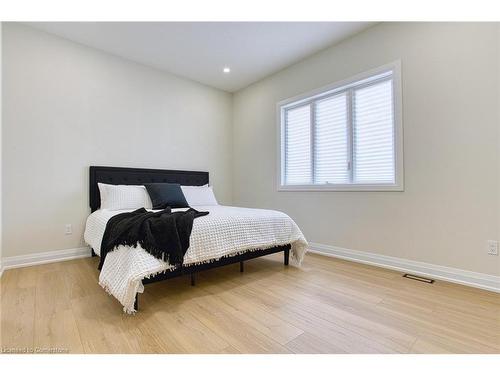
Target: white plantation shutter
[(344, 138), (298, 146), (373, 134), (330, 140)]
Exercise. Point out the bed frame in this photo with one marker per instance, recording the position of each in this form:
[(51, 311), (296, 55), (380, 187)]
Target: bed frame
[(140, 176)]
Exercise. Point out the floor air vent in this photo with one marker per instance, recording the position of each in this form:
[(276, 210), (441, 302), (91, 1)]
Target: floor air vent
[(418, 278)]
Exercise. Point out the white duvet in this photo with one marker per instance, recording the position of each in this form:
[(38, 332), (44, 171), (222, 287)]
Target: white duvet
[(225, 231)]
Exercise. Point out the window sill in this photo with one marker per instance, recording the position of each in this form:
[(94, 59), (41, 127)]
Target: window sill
[(351, 187)]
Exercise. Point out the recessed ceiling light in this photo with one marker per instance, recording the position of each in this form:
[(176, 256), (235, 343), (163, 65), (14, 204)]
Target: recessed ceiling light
[(226, 70)]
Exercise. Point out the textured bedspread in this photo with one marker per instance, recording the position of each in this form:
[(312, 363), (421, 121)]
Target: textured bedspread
[(226, 231)]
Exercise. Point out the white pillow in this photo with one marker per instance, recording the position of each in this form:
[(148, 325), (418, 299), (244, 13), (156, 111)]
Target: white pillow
[(199, 195), (124, 197)]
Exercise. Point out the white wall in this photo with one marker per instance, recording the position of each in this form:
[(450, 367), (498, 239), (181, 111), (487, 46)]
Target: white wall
[(450, 81), (67, 106)]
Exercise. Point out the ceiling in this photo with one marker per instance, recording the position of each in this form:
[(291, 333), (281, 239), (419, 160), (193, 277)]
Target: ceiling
[(200, 50)]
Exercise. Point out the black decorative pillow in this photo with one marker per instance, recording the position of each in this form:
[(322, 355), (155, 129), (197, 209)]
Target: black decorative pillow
[(165, 195)]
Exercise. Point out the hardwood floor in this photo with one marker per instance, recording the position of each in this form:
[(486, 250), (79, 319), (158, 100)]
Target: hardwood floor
[(327, 306)]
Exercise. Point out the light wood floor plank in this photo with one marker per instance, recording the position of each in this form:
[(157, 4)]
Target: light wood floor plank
[(55, 325), (326, 306), (18, 311)]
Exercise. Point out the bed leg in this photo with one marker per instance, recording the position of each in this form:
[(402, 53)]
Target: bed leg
[(242, 268), (136, 302), (193, 280), (286, 256)]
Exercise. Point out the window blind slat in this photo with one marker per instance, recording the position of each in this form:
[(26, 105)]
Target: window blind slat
[(355, 122), (330, 140), (373, 134), (298, 146)]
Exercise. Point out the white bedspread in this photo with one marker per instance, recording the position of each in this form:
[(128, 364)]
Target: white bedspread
[(225, 231)]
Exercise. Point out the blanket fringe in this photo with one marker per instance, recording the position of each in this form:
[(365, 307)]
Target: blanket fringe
[(125, 308), (297, 257)]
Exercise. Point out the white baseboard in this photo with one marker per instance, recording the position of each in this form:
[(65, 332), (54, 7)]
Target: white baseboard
[(45, 257), (454, 275)]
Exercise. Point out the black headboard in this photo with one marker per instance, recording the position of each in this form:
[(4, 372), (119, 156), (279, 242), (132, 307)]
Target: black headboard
[(138, 176)]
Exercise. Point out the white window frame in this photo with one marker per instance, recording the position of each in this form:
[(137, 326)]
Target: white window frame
[(398, 185)]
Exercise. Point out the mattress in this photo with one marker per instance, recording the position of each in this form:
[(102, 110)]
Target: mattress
[(225, 231)]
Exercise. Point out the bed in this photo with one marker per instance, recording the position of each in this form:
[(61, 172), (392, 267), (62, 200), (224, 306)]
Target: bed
[(226, 235)]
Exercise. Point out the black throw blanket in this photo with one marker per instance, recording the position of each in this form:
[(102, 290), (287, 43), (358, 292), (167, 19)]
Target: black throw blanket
[(163, 234)]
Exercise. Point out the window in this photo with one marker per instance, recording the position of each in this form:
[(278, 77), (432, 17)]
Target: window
[(347, 136)]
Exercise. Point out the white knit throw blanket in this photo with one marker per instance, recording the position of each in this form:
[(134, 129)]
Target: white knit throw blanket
[(226, 231)]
